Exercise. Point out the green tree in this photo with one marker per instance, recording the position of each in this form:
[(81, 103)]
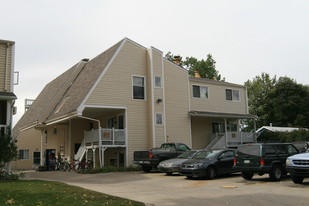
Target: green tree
[(289, 104), (8, 149), (258, 91), (206, 68), (282, 102)]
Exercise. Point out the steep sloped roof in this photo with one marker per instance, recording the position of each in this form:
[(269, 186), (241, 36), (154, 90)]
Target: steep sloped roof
[(64, 94)]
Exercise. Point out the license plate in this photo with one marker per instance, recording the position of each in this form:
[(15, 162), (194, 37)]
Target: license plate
[(246, 161)]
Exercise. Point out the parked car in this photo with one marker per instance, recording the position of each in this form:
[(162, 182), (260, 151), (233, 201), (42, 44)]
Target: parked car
[(263, 158), (209, 164), (150, 159), (298, 167), (173, 165)]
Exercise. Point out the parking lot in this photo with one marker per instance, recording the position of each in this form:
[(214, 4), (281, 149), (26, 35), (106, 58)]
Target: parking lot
[(159, 189)]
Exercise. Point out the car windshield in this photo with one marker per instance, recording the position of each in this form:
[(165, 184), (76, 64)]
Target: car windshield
[(186, 155), (207, 154), (249, 150)]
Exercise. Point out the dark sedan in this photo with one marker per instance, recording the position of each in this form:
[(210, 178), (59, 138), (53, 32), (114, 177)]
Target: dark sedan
[(209, 164)]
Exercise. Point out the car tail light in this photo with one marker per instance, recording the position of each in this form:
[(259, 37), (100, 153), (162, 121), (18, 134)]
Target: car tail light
[(262, 162), (234, 161), (150, 155)]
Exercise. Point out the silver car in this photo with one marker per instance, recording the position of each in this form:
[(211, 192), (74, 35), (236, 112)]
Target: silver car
[(298, 167), (173, 165)]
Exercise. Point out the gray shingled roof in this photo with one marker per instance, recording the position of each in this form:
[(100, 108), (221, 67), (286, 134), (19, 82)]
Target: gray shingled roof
[(60, 98)]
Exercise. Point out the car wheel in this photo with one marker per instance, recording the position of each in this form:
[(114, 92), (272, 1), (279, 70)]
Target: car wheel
[(297, 179), (211, 173), (169, 173), (276, 173), (247, 175), (146, 168)]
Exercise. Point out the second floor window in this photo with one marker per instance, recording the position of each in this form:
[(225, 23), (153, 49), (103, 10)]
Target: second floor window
[(200, 91), (138, 87), (232, 95), (158, 82)]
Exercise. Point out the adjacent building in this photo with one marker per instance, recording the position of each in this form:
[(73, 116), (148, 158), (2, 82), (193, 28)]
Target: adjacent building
[(128, 98)]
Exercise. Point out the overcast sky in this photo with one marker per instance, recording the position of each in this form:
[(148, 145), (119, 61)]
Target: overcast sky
[(245, 37)]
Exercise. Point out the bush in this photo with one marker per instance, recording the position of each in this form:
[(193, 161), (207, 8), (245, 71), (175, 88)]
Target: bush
[(10, 176), (301, 135)]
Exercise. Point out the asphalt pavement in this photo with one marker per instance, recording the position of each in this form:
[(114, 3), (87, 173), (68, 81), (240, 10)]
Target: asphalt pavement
[(161, 190)]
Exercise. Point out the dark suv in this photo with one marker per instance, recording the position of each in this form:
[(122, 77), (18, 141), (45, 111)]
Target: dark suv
[(263, 158)]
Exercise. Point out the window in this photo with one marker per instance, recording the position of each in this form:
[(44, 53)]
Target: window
[(200, 91), (233, 127), (111, 122), (36, 158), (232, 95), (218, 127), (159, 119), (24, 154), (138, 87), (158, 82), (183, 147)]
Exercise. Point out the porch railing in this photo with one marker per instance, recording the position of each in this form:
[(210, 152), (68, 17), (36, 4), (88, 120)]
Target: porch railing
[(113, 136), (108, 137), (236, 138), (232, 139)]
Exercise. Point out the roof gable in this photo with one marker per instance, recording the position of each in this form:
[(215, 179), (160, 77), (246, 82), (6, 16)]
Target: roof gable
[(64, 94)]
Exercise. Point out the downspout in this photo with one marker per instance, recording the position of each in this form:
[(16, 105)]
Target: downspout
[(6, 67), (100, 142)]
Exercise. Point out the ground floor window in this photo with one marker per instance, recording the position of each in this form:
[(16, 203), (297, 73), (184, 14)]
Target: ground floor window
[(24, 154), (36, 158)]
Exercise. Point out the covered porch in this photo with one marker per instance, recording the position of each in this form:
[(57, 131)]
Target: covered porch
[(220, 130)]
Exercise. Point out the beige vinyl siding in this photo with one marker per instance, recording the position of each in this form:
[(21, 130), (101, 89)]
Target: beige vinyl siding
[(158, 94), (216, 101), (28, 140), (5, 74), (201, 131), (176, 104), (115, 89)]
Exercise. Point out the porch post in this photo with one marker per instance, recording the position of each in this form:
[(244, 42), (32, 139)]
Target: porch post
[(41, 154), (93, 157), (225, 128)]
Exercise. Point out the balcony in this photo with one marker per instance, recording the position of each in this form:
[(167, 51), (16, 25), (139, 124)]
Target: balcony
[(109, 137)]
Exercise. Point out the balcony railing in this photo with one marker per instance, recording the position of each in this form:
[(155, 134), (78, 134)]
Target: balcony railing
[(108, 137), (113, 136)]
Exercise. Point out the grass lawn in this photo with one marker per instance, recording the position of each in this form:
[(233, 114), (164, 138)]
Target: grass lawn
[(39, 193)]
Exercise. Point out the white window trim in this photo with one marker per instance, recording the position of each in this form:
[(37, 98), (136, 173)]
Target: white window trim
[(155, 86), (159, 113), (145, 94), (232, 95), (24, 153), (200, 91)]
